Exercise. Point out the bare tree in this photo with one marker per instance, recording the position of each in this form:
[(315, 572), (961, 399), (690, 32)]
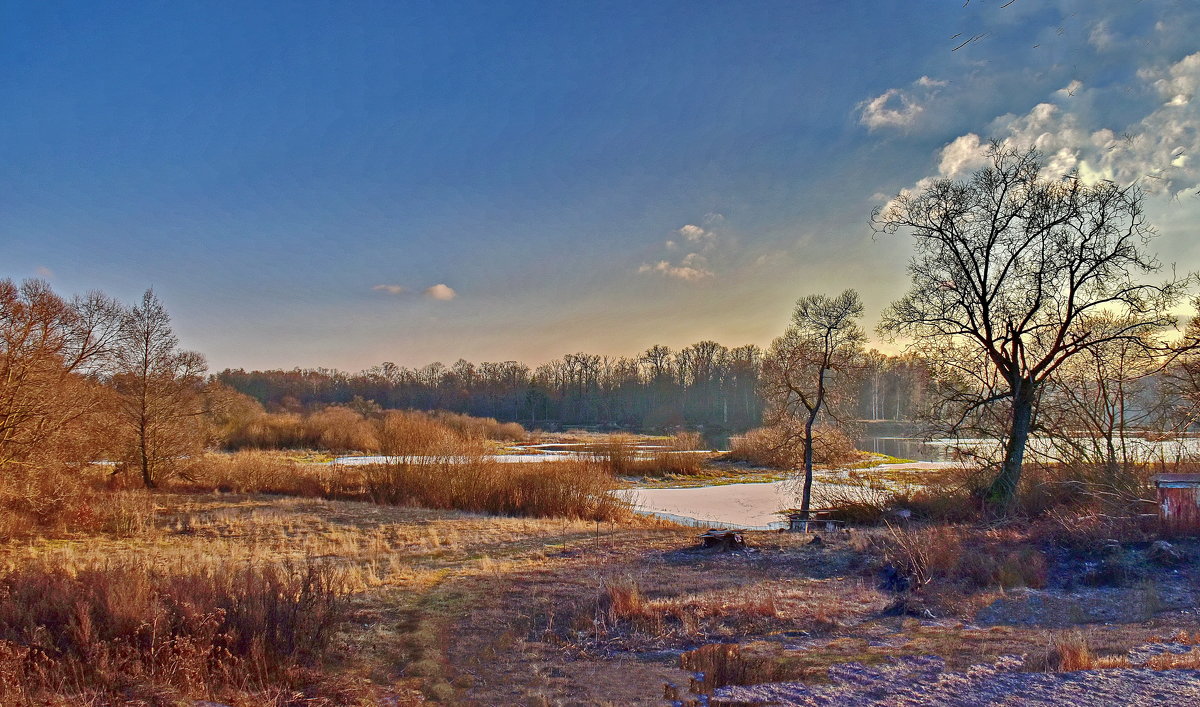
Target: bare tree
[(160, 387), (1015, 274), (48, 347), (809, 366)]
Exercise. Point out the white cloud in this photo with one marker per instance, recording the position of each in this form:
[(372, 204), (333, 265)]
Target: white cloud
[(899, 107), (695, 234), (440, 291), (391, 289), (692, 268), (965, 153), (693, 265), (1154, 150)]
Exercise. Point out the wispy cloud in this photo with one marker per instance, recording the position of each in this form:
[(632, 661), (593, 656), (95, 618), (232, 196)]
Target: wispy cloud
[(440, 291), (43, 271), (692, 268), (391, 289)]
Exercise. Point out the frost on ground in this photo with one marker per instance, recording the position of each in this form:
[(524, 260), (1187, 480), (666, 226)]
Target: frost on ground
[(924, 681)]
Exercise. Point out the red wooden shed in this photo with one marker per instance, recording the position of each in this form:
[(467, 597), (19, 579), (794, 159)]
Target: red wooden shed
[(1179, 502)]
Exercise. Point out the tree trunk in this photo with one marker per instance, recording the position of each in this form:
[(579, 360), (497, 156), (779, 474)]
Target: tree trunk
[(806, 499), (1003, 489), (144, 453)]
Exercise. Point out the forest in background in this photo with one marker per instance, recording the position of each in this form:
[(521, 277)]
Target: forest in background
[(703, 385)]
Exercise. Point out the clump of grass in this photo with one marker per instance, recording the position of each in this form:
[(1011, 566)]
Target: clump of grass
[(724, 664), (90, 634), (566, 489), (1068, 652), (684, 455)]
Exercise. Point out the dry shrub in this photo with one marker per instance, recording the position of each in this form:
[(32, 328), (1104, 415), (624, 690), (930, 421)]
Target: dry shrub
[(40, 498), (280, 430), (125, 513), (1019, 567), (909, 552), (781, 447), (97, 633), (618, 453), (248, 471), (258, 471), (875, 506), (470, 427), (764, 446), (340, 429), (461, 478), (1175, 661), (622, 609), (684, 456), (63, 500), (954, 554), (404, 433), (1086, 529)]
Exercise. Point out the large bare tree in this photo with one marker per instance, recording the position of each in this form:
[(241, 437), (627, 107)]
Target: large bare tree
[(1015, 274), (808, 367), (160, 389)]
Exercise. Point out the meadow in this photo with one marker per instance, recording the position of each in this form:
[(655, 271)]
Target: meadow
[(275, 577)]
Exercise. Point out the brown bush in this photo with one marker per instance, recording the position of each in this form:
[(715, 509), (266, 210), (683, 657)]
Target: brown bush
[(778, 447), (618, 453), (248, 471), (281, 430), (93, 634), (340, 429), (404, 433), (950, 553), (470, 427)]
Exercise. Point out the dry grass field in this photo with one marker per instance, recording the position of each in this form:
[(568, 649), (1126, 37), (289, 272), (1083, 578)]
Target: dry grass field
[(250, 599)]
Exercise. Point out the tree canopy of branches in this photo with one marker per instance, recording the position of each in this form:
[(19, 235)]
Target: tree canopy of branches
[(47, 347), (1014, 275), (160, 387), (809, 367)]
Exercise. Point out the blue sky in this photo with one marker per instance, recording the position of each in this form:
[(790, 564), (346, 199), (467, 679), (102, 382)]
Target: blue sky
[(340, 184)]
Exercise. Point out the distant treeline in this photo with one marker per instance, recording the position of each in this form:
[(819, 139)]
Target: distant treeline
[(705, 384)]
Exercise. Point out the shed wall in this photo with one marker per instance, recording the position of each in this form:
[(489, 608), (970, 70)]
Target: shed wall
[(1179, 507)]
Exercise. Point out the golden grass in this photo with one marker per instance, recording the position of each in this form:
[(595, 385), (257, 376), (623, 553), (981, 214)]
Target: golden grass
[(682, 455), (91, 633), (462, 477)]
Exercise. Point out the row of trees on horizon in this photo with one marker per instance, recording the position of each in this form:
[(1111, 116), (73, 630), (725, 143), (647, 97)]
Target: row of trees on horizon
[(704, 385)]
